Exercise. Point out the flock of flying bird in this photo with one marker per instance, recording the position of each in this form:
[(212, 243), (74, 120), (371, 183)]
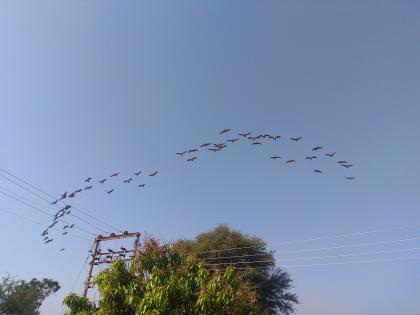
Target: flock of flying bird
[(66, 210), (256, 140)]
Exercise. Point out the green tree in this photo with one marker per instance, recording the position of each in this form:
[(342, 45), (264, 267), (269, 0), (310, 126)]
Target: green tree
[(24, 298), (259, 272), (163, 281)]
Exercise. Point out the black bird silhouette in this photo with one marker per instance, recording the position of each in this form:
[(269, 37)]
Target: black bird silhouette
[(275, 137), (63, 196), (78, 191), (115, 174), (347, 165), (274, 157), (88, 187), (49, 241), (65, 233), (205, 145), (127, 181), (45, 238), (72, 195), (349, 178), (181, 153), (318, 171), (256, 143), (71, 226), (192, 159), (102, 181), (224, 131), (290, 161), (232, 140), (154, 173), (310, 157), (87, 180), (62, 250), (251, 138), (193, 150), (141, 185), (296, 139), (245, 134), (218, 145), (137, 173), (342, 162), (65, 227), (331, 155), (110, 191), (54, 202), (215, 149), (317, 148)]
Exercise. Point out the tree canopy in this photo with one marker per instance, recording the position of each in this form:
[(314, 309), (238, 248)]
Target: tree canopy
[(24, 298), (161, 280), (223, 247)]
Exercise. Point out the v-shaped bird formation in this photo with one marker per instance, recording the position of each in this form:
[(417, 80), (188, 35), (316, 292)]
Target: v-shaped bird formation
[(257, 140)]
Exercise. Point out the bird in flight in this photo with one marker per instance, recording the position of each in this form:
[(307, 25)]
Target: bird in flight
[(347, 165), (290, 161), (127, 181), (45, 238), (318, 171), (141, 185), (137, 173), (274, 157), (49, 241), (110, 191), (218, 145), (192, 159), (193, 150), (310, 157), (342, 162), (274, 137), (72, 195), (65, 233), (87, 180), (115, 174), (54, 202), (232, 140), (102, 181), (224, 131), (215, 149), (331, 155), (63, 196), (296, 139), (349, 178), (256, 143), (153, 174), (88, 187), (62, 250), (65, 227), (245, 134), (205, 145), (71, 226), (78, 191), (317, 148), (181, 153)]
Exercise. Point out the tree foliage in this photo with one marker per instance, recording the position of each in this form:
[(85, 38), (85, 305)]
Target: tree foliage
[(161, 280), (24, 298), (272, 285)]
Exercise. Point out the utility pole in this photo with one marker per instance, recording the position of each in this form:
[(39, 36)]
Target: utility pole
[(99, 257)]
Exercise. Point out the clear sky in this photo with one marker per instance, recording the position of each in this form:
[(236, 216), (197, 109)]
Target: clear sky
[(90, 87)]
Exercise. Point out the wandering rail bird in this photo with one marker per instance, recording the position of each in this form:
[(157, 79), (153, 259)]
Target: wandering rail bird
[(102, 181), (128, 181), (192, 159), (88, 187), (181, 153), (154, 173), (110, 191), (87, 180), (256, 143), (331, 155), (245, 134), (342, 162), (137, 173), (318, 171), (205, 145), (141, 185), (310, 157), (115, 174), (290, 161), (232, 140), (193, 150), (274, 157)]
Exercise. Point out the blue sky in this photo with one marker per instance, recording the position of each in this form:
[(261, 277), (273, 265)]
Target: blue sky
[(90, 87)]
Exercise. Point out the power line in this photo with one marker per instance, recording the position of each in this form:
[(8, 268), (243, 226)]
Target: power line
[(42, 211), (326, 257), (51, 196), (38, 223)]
